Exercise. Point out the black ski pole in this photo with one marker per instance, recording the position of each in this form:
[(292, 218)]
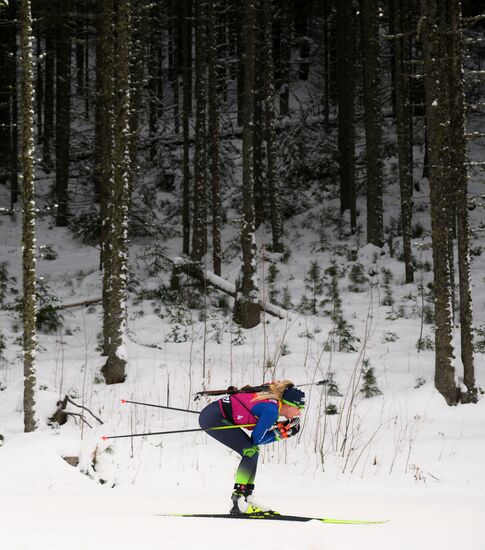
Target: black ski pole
[(123, 401), (106, 437)]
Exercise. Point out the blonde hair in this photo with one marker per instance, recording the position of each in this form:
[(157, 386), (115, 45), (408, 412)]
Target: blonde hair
[(276, 390)]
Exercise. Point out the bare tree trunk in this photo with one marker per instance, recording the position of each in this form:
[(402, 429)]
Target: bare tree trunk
[(285, 57), (8, 101), (187, 90), (460, 177), (28, 222), (214, 141), (437, 115), (199, 235), (403, 101), (246, 307), (49, 89), (269, 97), (373, 120), (345, 93), (114, 368), (63, 108), (14, 115), (104, 106), (80, 29)]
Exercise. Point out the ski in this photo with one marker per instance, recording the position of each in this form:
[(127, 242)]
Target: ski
[(277, 517)]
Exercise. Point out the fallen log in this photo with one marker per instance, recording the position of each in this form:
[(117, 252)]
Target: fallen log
[(206, 277)]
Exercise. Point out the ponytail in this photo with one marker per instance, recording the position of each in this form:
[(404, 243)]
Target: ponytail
[(276, 390)]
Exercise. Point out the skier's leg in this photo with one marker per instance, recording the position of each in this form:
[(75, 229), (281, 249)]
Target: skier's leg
[(235, 439), (238, 441)]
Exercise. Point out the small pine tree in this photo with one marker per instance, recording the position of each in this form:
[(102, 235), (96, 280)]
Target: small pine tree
[(286, 299), (273, 272), (388, 297), (369, 386), (357, 277), (332, 387), (342, 331), (314, 284)]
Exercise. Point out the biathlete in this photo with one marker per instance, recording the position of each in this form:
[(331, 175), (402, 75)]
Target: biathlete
[(263, 409)]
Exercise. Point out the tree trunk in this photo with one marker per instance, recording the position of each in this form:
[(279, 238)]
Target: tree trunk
[(8, 101), (345, 93), (373, 120), (39, 79), (187, 90), (285, 57), (403, 101), (460, 177), (246, 307), (49, 87), (269, 119), (437, 117), (63, 108), (199, 235), (14, 115), (114, 368), (80, 29), (139, 27), (214, 141), (104, 106), (28, 221)]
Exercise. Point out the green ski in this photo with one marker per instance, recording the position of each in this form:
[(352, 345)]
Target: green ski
[(272, 516)]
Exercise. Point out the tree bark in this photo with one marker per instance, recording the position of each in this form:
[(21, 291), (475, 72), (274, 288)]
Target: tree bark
[(460, 177), (63, 108), (187, 102), (115, 312), (199, 235), (403, 102), (28, 220), (269, 120), (49, 84), (246, 307), (346, 99), (437, 118), (373, 120), (214, 141)]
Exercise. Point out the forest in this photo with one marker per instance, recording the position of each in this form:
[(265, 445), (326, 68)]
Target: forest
[(204, 193)]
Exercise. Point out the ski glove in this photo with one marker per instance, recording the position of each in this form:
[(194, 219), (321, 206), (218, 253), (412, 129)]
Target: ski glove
[(251, 451), (284, 430)]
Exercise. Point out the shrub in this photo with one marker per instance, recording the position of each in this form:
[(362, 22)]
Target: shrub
[(425, 343), (331, 409), (357, 277), (87, 227), (49, 316), (47, 252), (369, 386), (389, 337)]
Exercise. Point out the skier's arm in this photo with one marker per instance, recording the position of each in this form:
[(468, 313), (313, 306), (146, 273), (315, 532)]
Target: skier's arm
[(267, 417)]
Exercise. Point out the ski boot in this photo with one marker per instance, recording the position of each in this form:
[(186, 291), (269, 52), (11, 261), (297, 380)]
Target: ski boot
[(243, 502)]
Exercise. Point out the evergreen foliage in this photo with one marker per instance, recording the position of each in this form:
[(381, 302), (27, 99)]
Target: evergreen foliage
[(369, 382)]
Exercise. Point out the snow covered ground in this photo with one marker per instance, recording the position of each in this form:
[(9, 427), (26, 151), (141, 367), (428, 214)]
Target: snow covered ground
[(408, 458), (402, 456)]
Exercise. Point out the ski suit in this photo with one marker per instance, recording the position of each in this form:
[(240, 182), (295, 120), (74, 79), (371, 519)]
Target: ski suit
[(242, 408)]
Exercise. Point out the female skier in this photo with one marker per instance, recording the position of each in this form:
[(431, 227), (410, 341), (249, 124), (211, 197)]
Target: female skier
[(262, 409)]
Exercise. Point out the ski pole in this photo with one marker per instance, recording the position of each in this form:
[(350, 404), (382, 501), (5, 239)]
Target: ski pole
[(123, 401), (105, 437)]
